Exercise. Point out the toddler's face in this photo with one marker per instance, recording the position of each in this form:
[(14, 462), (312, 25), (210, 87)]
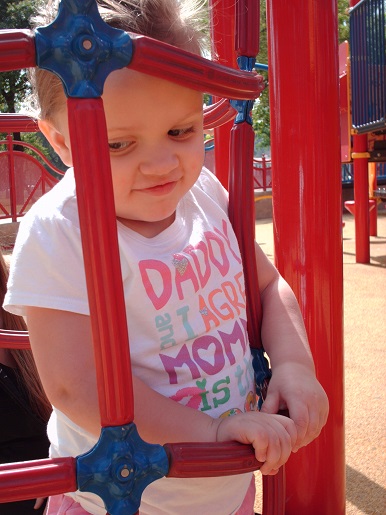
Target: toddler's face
[(155, 134)]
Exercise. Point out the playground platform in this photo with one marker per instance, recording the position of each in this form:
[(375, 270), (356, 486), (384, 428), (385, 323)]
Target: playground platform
[(365, 370)]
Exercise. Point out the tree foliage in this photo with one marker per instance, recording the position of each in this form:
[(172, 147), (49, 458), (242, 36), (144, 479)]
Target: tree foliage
[(14, 85)]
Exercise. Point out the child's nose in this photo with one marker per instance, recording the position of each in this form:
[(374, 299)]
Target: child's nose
[(158, 161)]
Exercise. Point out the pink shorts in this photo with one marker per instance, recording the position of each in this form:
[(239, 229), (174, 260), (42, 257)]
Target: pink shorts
[(62, 504)]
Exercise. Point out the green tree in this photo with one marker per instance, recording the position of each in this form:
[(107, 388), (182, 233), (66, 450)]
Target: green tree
[(343, 21), (14, 85)]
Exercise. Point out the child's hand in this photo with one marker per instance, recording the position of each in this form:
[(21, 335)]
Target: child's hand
[(295, 387), (272, 436), (39, 502)]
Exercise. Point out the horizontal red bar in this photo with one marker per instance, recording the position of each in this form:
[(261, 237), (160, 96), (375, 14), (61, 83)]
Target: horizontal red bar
[(17, 123), (14, 339), (17, 49), (210, 459), (37, 478)]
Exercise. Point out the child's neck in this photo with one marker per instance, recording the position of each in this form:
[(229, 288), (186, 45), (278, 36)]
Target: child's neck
[(148, 229)]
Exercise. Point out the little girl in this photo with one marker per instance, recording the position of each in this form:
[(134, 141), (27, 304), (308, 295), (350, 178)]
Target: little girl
[(183, 284)]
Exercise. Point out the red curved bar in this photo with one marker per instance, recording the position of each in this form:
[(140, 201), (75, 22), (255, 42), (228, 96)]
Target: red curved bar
[(210, 459), (17, 50), (37, 478), (101, 257), (219, 113), (14, 339), (167, 62)]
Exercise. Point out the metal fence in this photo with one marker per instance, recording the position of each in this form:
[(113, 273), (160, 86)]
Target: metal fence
[(23, 177)]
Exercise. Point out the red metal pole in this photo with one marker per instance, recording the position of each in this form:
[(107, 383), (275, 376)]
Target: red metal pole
[(361, 199), (12, 179), (102, 263), (17, 49), (37, 478), (373, 201), (306, 184), (223, 49), (361, 193)]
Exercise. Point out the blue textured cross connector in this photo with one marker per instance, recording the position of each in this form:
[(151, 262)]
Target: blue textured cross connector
[(120, 467), (244, 107), (81, 48)]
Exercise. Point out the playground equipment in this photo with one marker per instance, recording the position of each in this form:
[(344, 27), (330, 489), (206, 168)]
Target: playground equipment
[(311, 265), (368, 123), (24, 178)]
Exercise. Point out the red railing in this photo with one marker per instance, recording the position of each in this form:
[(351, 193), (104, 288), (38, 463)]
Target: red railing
[(262, 175), (23, 176)]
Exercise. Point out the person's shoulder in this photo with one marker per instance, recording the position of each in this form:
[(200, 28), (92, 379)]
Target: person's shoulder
[(55, 203), (212, 187), (208, 179)]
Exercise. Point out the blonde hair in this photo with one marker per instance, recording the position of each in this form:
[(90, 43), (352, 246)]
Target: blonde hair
[(26, 370), (181, 23)]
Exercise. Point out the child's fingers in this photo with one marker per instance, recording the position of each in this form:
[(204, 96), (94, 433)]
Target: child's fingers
[(272, 436), (39, 502), (316, 421), (261, 448), (280, 439), (300, 415), (271, 403), (309, 421)]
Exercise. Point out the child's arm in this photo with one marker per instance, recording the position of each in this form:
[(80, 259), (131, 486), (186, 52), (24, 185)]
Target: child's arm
[(293, 385), (62, 347)]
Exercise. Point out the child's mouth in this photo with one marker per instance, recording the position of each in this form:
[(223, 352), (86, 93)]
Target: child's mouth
[(161, 189)]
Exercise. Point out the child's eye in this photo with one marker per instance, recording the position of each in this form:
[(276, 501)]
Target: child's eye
[(119, 146), (181, 133)]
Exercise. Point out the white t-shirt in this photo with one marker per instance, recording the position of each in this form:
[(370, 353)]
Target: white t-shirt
[(185, 307)]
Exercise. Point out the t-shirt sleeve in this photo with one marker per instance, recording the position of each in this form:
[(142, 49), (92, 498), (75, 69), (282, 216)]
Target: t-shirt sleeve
[(47, 267)]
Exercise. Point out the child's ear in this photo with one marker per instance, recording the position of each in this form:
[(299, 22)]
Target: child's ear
[(57, 140)]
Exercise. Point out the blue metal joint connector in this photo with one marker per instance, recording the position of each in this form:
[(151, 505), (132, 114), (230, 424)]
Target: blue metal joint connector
[(244, 107), (119, 468), (81, 48)]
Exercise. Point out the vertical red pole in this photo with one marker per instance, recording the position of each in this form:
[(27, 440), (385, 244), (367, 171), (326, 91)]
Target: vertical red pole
[(12, 180), (306, 184), (361, 194), (264, 163), (222, 14), (374, 209), (361, 199), (102, 262)]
